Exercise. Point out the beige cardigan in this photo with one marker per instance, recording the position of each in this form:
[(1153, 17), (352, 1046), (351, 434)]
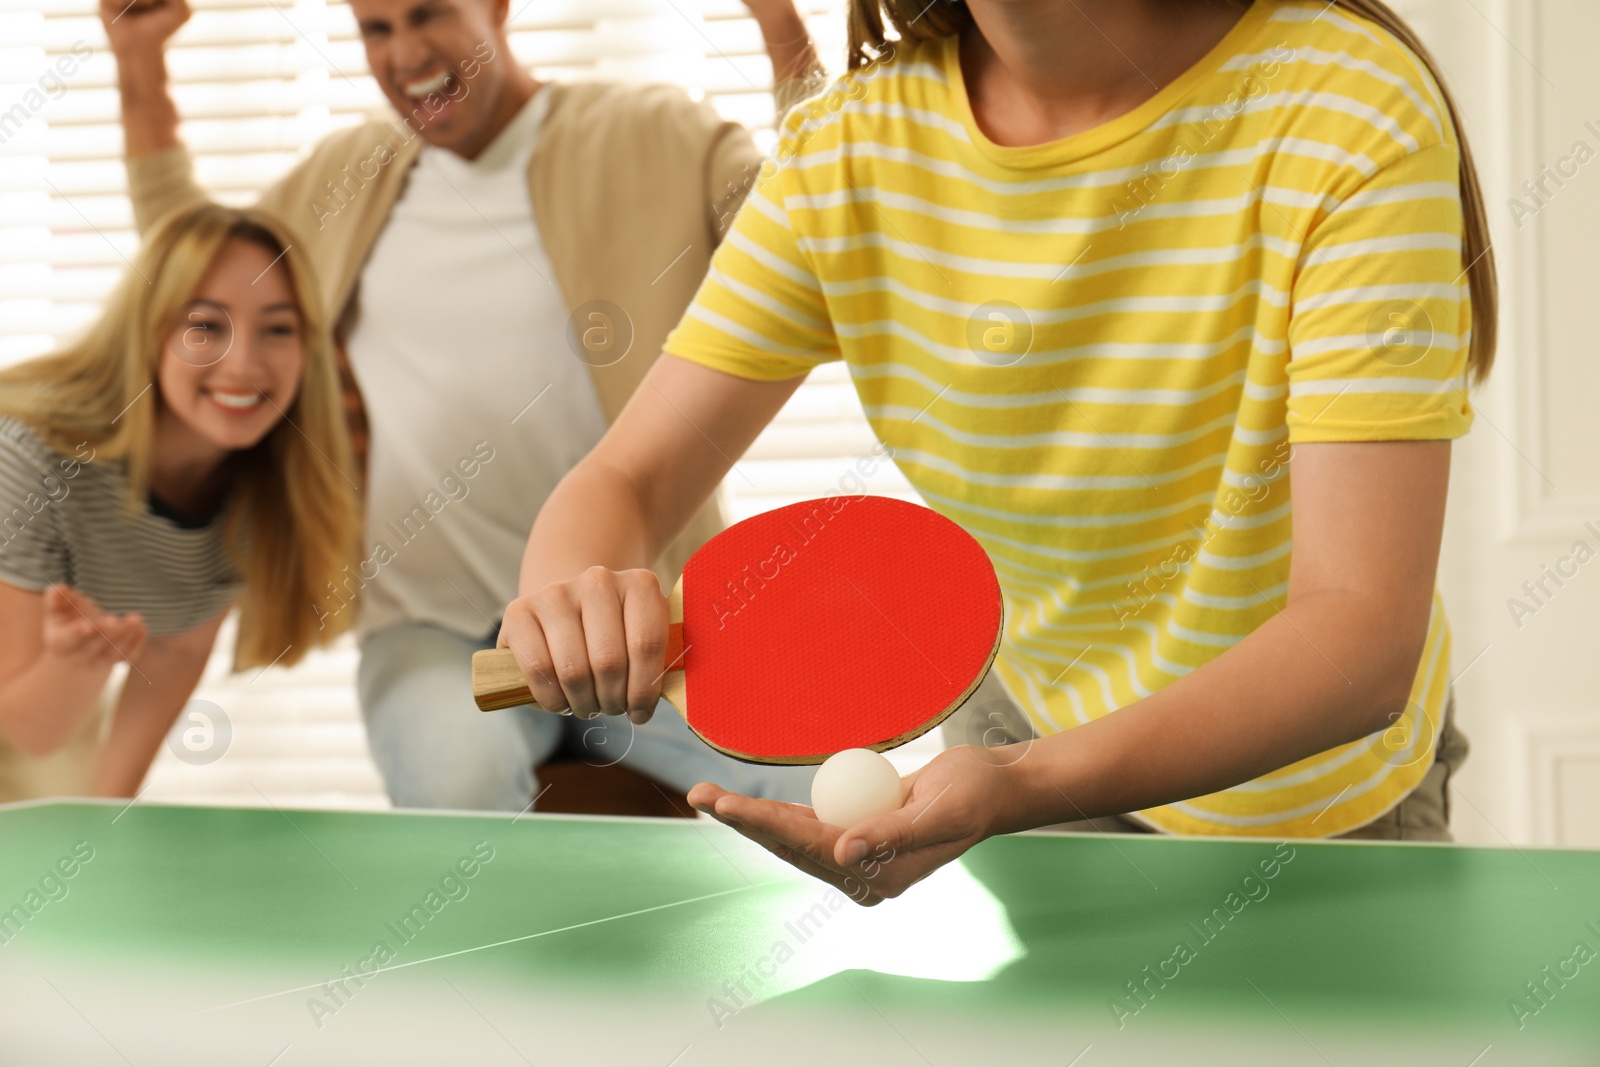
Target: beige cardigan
[(632, 187)]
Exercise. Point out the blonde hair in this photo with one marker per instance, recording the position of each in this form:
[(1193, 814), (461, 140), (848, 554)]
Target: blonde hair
[(292, 518), (873, 21)]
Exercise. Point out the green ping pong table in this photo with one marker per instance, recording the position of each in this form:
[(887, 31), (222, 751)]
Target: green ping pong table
[(148, 934)]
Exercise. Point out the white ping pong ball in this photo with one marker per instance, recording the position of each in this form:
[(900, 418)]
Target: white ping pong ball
[(855, 785)]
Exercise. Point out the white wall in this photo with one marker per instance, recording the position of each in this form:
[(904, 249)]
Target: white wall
[(1527, 479)]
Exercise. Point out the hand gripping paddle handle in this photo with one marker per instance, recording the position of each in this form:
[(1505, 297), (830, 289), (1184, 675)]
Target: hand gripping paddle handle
[(497, 681)]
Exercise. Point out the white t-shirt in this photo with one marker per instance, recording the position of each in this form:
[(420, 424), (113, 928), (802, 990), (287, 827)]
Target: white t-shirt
[(461, 328)]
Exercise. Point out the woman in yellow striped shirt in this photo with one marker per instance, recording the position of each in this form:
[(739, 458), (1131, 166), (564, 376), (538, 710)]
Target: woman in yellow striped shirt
[(1110, 277)]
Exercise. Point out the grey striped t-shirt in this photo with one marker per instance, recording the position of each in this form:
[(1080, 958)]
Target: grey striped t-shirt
[(62, 520)]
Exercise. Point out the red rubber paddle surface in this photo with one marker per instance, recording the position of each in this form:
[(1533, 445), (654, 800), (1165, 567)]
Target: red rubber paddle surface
[(850, 622)]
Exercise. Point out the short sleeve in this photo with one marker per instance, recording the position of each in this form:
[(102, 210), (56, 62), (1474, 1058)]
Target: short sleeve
[(32, 552), (1380, 321), (760, 313)]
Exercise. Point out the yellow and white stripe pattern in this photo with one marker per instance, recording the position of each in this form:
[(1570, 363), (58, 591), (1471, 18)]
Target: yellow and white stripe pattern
[(1096, 354)]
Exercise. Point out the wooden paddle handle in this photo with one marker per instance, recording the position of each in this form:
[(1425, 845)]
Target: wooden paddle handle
[(497, 681)]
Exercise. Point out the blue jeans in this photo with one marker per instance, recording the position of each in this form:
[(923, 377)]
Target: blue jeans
[(435, 749)]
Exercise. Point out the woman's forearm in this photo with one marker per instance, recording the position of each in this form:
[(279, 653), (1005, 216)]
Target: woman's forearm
[(1320, 673), (44, 706), (142, 719), (622, 505), (596, 517), (159, 683)]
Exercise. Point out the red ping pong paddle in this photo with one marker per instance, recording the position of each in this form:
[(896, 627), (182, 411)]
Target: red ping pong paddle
[(846, 622)]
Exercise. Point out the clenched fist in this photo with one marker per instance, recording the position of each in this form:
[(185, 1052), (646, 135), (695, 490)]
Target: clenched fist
[(141, 29)]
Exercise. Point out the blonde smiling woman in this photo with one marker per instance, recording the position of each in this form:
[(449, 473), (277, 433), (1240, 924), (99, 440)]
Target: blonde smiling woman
[(187, 455)]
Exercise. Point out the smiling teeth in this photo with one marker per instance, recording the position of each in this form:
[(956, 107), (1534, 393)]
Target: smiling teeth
[(237, 400), (432, 85)]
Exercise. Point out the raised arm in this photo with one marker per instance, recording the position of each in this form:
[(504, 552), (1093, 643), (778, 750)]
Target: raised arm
[(734, 162), (160, 173), (590, 627), (796, 72)]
